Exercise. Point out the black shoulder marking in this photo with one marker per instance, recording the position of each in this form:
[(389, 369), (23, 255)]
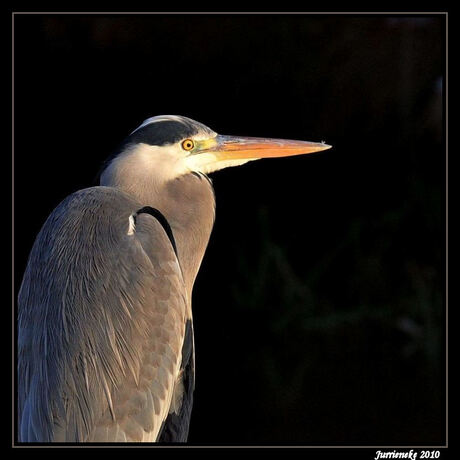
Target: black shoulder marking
[(176, 426), (187, 346), (162, 220)]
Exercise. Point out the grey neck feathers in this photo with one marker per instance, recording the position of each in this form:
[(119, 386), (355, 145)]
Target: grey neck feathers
[(188, 204)]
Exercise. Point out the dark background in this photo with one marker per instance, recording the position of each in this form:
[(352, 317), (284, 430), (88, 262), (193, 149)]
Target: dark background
[(320, 305)]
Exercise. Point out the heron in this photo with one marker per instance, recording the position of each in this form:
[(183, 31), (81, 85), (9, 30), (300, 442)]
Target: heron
[(105, 330)]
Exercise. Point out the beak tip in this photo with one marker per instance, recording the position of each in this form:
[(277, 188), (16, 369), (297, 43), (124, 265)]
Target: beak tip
[(321, 146)]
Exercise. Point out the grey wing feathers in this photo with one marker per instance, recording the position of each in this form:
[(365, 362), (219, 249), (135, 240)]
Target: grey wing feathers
[(176, 426), (101, 324)]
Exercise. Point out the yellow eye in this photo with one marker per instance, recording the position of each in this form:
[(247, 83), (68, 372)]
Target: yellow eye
[(188, 144)]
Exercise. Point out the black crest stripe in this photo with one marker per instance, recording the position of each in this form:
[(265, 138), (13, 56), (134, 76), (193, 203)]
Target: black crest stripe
[(162, 220)]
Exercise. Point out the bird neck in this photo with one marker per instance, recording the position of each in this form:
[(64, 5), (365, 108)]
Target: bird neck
[(188, 204)]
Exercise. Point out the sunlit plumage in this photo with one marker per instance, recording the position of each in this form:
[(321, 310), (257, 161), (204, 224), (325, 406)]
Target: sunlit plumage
[(105, 336)]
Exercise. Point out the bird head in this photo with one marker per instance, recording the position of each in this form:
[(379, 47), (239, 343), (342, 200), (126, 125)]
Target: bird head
[(176, 145)]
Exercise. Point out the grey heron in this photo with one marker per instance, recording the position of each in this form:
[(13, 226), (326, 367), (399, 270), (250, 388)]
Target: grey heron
[(105, 333)]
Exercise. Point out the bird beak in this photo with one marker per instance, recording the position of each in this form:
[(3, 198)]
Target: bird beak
[(223, 151), (248, 148)]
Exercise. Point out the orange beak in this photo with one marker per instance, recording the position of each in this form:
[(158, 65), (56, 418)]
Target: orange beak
[(239, 148)]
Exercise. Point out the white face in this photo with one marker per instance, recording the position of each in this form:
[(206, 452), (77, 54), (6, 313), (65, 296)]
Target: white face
[(173, 160), (184, 156), (179, 158)]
